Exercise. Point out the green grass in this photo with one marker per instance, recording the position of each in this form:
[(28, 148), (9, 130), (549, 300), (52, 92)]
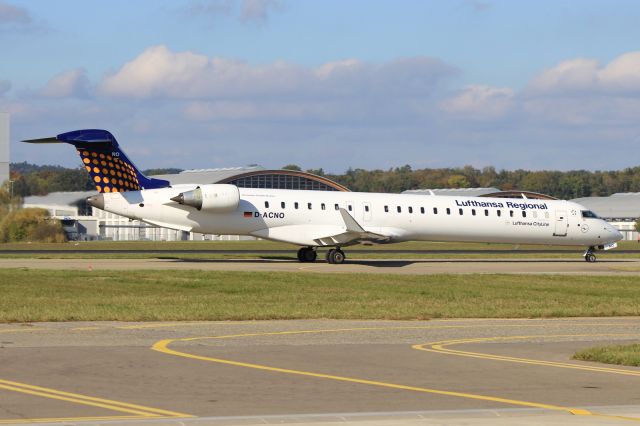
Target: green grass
[(47, 295), (620, 354)]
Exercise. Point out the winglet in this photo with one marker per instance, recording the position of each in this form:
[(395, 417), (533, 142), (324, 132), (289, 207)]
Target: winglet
[(353, 234), (350, 222)]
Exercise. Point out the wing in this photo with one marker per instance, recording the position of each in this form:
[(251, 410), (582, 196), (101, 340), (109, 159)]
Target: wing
[(345, 232), (353, 234)]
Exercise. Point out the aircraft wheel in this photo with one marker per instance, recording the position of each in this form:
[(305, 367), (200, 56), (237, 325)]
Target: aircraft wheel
[(590, 257), (310, 255), (335, 256), (338, 256), (329, 256), (307, 254)]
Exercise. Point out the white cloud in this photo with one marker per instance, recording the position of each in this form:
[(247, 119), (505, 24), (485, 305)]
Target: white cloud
[(229, 112), (247, 11), (160, 73), (481, 102), (478, 6), (574, 74), (583, 76), (623, 73), (257, 10), (10, 14), (19, 20), (5, 86), (68, 84), (211, 8)]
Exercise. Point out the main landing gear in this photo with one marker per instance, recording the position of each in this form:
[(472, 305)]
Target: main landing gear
[(307, 254), (589, 256), (335, 256)]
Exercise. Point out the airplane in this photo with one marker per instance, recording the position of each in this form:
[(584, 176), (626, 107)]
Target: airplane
[(334, 219)]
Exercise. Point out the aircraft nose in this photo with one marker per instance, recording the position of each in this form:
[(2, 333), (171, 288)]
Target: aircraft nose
[(96, 201), (618, 234), (614, 232)]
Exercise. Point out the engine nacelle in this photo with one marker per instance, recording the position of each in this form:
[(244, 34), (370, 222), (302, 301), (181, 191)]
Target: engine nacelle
[(217, 198)]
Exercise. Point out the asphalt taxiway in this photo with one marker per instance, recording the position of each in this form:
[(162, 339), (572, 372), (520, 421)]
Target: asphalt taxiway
[(316, 372), (390, 266)]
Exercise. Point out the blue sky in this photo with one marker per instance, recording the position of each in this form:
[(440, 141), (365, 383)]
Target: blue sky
[(332, 84)]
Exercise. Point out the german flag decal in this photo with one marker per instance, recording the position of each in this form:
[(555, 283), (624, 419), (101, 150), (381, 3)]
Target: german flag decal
[(248, 214)]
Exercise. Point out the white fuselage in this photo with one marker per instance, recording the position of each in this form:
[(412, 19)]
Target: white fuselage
[(306, 217)]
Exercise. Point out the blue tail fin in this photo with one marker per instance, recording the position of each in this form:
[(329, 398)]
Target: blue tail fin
[(109, 167)]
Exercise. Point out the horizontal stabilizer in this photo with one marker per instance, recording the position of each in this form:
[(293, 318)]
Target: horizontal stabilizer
[(44, 140)]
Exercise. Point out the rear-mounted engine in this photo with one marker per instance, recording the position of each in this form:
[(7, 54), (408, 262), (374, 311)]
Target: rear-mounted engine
[(218, 198)]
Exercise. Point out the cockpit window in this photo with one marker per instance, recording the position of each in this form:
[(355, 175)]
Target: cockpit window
[(589, 214)]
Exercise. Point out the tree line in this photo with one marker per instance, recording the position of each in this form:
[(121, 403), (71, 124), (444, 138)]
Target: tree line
[(18, 224), (563, 185), (29, 179)]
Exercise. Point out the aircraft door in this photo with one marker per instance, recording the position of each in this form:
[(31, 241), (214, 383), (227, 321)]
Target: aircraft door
[(561, 224), (366, 212)]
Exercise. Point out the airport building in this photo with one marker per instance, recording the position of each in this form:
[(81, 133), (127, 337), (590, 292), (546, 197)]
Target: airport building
[(4, 147), (621, 210), (81, 222)]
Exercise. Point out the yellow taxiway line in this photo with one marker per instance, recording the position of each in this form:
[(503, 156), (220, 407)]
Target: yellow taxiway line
[(163, 347), (138, 411), (440, 347), (70, 419), (141, 412)]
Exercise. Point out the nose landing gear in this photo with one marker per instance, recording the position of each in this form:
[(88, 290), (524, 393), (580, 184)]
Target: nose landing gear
[(589, 256)]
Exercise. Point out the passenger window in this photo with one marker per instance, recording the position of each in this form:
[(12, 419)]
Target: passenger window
[(266, 204), (309, 206), (337, 206), (524, 213), (448, 210), (460, 212), (399, 209), (486, 212), (322, 206), (349, 207), (282, 204), (366, 208), (386, 209), (511, 213), (435, 210), (499, 213), (422, 210), (295, 205), (410, 209), (473, 212)]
